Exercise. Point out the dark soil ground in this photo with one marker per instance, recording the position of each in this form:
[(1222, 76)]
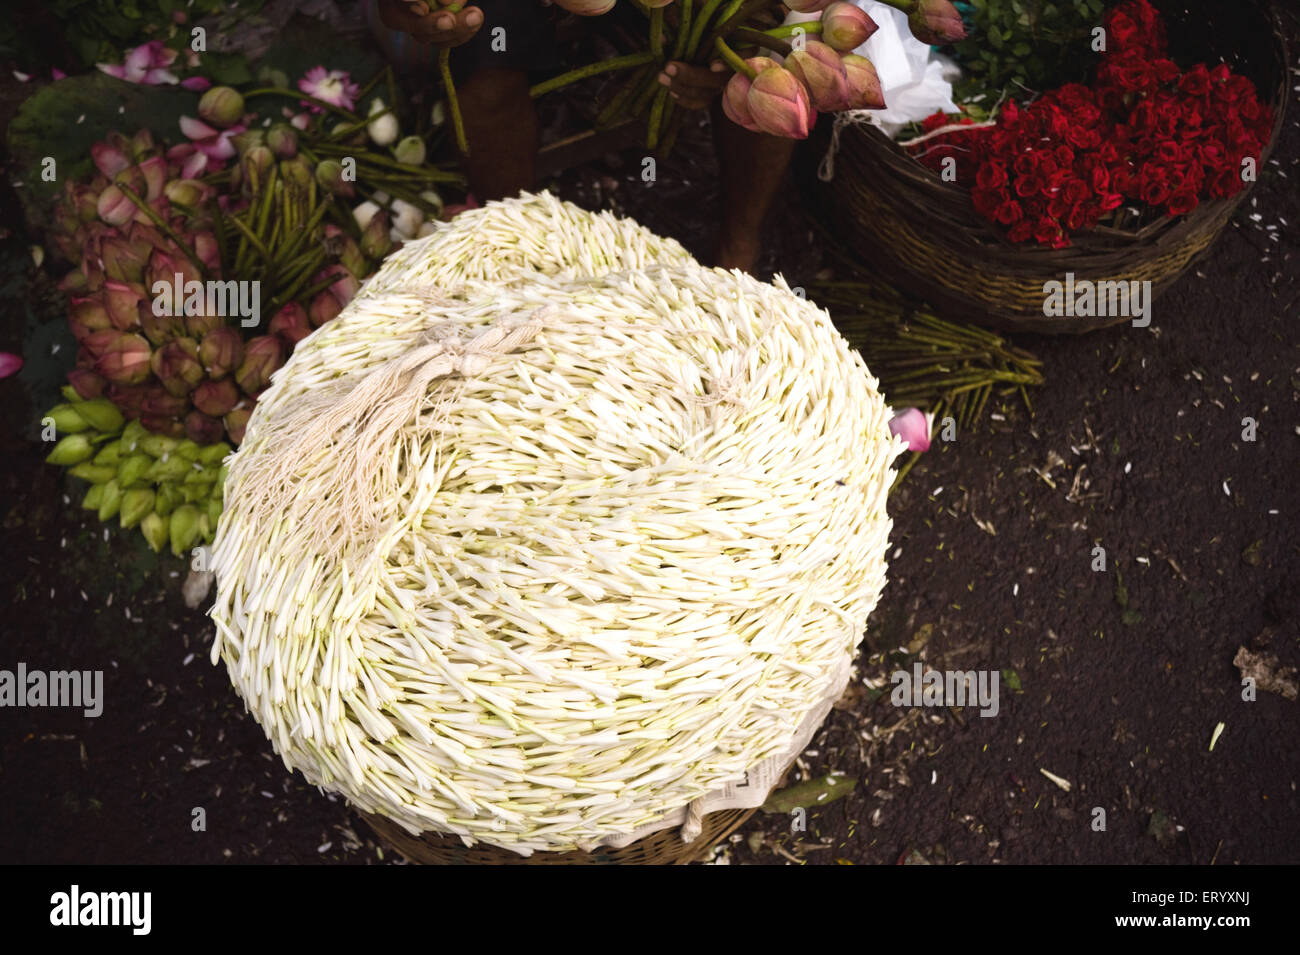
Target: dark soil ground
[(1135, 445)]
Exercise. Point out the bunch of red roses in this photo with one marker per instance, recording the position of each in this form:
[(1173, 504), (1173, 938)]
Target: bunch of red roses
[(1144, 131)]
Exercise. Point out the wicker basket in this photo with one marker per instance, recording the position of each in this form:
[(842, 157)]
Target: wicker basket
[(664, 847), (925, 236)]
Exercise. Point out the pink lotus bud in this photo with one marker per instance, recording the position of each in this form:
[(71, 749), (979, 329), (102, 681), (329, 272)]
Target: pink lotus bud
[(282, 139), (158, 402), (323, 307), (846, 27), (177, 365), (127, 398), (141, 145), (735, 96), (819, 68), (109, 159), (780, 105), (86, 383), (154, 170), (375, 241), (202, 429), (126, 360), (221, 352), (85, 202), (262, 356), (196, 84), (123, 300), (123, 261), (95, 344), (158, 424), (913, 427), (197, 326), (187, 192), (221, 106), (9, 363), (161, 329), (256, 164), (114, 207), (236, 421), (290, 323), (164, 267), (206, 248), (329, 173), (88, 314), (936, 22), (864, 84), (215, 398)]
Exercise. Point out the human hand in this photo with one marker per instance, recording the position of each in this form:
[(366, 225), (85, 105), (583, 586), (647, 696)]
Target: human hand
[(694, 87), (431, 21)]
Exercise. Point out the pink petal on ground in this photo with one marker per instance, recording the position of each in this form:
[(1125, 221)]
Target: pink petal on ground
[(57, 74), (196, 128), (9, 363), (158, 77), (913, 427), (196, 83), (113, 69)]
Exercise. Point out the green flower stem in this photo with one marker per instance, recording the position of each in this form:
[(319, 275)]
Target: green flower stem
[(683, 29), (763, 40), (732, 60), (904, 5), (247, 233), (161, 225), (592, 69), (657, 32), (697, 29), (453, 103), (812, 28), (656, 118), (620, 99), (296, 95), (737, 15)]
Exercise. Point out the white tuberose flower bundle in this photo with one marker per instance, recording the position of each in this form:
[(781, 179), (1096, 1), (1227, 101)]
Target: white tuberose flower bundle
[(543, 559)]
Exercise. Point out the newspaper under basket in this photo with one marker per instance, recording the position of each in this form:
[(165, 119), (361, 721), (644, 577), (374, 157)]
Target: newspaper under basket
[(551, 563)]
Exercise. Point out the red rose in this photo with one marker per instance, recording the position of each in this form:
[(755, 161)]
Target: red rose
[(1022, 231), (1196, 81)]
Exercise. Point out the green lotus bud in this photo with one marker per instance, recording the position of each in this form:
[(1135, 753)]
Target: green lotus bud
[(96, 494), (221, 106), (132, 434), (219, 489), (156, 445), (71, 450), (184, 528), (155, 530), (136, 503), (187, 449), (101, 414), (214, 453), (194, 493), (133, 469), (69, 393), (111, 501), (110, 453), (67, 419), (170, 467), (282, 139), (214, 511), (166, 498), (410, 151), (94, 473), (205, 527)]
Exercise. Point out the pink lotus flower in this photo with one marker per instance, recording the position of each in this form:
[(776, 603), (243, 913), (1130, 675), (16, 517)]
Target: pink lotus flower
[(864, 83), (780, 105), (110, 157), (936, 22), (213, 143), (330, 86), (846, 27), (9, 363), (913, 426), (819, 68), (735, 97), (146, 64)]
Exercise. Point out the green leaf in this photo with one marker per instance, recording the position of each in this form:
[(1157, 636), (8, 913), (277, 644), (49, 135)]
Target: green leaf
[(1012, 679), (813, 792)]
